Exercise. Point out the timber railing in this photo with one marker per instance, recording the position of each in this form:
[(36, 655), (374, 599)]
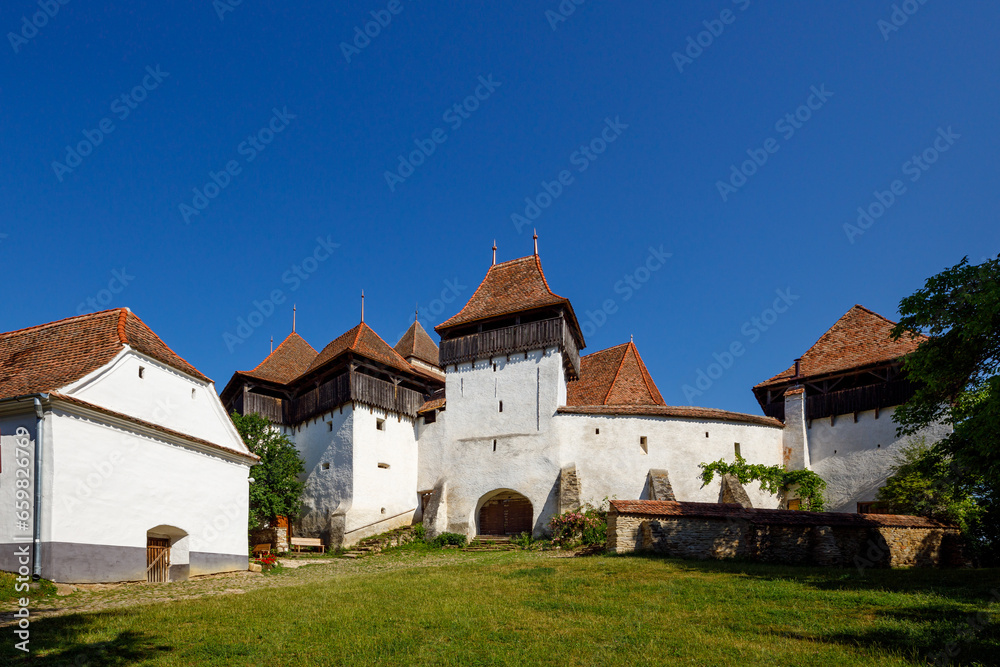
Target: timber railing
[(509, 340)]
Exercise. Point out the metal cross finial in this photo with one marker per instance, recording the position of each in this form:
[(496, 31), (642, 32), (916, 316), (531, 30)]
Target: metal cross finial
[(272, 344), (293, 318), (536, 241), (362, 305), (494, 252), (416, 313)]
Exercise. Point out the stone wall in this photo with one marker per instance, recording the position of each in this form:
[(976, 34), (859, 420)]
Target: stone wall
[(716, 531)]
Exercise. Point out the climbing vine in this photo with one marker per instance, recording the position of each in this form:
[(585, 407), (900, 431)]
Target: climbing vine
[(772, 479)]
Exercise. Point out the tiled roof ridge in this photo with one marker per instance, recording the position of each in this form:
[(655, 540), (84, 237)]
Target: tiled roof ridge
[(545, 281), (122, 317), (398, 355), (643, 371), (288, 339), (611, 385), (46, 325)]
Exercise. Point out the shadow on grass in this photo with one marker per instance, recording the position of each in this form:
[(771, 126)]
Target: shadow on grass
[(63, 641), (955, 626)]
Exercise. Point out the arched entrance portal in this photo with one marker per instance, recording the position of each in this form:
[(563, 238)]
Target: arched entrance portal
[(505, 513)]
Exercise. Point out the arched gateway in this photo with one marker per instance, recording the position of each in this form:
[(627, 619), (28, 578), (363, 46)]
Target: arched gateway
[(504, 512)]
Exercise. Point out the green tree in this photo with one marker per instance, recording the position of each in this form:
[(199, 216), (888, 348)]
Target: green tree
[(773, 479), (956, 372), (276, 489)]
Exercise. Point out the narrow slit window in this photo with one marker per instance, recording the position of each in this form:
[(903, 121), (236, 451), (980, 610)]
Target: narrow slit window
[(142, 372), (494, 445), (597, 431), (380, 425), (644, 443), (736, 449), (501, 406)]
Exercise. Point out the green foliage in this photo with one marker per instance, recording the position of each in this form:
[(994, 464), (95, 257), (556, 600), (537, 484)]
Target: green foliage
[(276, 489), (587, 525), (956, 372), (772, 479), (450, 539), (926, 482), (36, 591), (419, 531)]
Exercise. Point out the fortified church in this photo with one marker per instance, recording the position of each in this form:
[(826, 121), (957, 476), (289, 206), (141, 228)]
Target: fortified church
[(505, 423)]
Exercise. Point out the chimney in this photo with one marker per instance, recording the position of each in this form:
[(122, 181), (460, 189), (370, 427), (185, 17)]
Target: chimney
[(798, 368)]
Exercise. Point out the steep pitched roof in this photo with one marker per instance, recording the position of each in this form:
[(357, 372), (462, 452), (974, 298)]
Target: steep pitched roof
[(50, 356), (860, 338), (417, 343), (510, 287), (288, 361), (361, 340), (615, 376)]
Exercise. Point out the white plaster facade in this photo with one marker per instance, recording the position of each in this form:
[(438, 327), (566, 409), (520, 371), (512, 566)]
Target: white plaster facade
[(125, 457)]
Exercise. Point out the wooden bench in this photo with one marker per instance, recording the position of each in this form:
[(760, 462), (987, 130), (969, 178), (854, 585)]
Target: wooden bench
[(299, 542), (261, 550)]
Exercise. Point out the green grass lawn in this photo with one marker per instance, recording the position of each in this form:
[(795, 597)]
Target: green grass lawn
[(525, 608)]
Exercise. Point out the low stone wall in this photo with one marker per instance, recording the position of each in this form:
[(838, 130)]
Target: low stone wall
[(728, 530)]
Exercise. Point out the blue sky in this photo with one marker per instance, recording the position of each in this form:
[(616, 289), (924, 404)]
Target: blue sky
[(300, 131)]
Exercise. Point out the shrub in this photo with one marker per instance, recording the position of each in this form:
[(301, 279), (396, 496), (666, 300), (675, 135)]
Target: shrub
[(523, 540), (419, 531), (587, 525), (449, 539)]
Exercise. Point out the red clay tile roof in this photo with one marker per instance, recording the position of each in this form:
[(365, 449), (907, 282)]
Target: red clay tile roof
[(363, 341), (666, 508), (615, 376), (417, 343), (508, 288), (669, 411), (288, 361), (859, 338), (49, 356), (150, 425)]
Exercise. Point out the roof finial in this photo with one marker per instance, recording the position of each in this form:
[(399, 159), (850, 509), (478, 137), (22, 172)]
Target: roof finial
[(362, 305), (631, 338), (293, 318), (536, 242), (494, 252), (272, 344), (416, 313)]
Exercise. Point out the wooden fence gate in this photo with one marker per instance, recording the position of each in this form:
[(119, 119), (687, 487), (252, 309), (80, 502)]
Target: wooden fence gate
[(157, 559)]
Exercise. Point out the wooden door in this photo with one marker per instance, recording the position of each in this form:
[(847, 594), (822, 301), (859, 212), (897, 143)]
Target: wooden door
[(505, 516), (157, 559)]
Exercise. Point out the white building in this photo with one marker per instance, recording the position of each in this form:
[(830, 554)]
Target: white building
[(506, 425), (117, 459)]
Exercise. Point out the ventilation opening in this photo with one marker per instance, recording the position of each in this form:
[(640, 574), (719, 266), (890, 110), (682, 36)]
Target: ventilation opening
[(736, 449), (597, 431), (706, 434), (644, 443), (142, 372), (501, 406), (329, 426), (384, 466), (326, 466), (193, 392), (494, 445), (430, 417), (383, 510), (380, 425), (494, 367)]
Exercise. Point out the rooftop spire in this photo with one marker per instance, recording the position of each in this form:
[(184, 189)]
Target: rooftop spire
[(536, 242), (272, 344), (362, 305), (293, 318), (416, 313), (494, 252)]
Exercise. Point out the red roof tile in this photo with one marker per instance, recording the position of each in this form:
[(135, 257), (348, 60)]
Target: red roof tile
[(417, 343), (150, 425), (702, 414), (859, 338), (508, 288), (615, 376), (363, 341), (288, 361), (667, 508), (50, 356), (433, 404)]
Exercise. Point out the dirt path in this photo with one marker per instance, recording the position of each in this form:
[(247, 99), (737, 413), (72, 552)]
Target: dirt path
[(89, 598)]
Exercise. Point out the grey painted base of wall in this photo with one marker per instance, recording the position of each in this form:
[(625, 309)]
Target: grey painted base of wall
[(97, 563)]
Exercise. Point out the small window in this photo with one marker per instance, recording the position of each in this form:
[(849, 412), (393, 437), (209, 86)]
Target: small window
[(380, 425), (329, 427), (494, 367), (494, 445), (326, 466), (193, 393), (501, 406), (706, 434), (384, 466), (142, 372), (644, 443), (430, 417), (597, 431), (736, 449), (383, 510)]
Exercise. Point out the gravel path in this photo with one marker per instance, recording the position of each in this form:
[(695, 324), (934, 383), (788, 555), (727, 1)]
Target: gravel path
[(88, 598)]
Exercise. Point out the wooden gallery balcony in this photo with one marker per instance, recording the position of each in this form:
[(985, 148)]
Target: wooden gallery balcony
[(514, 339)]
